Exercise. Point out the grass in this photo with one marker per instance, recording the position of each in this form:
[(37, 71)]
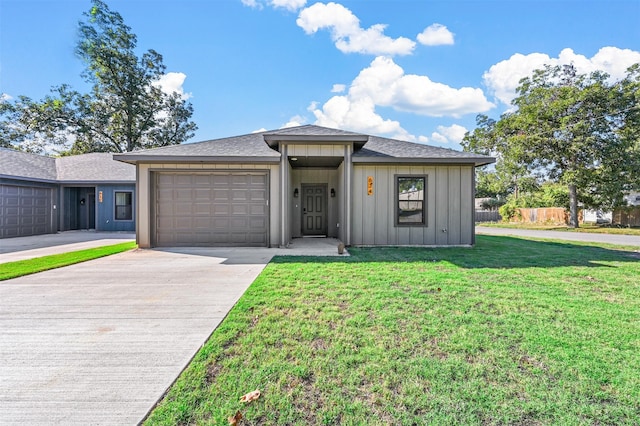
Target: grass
[(31, 266), (513, 331), (586, 228)]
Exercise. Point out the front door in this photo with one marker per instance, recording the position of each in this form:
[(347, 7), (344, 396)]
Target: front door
[(314, 210)]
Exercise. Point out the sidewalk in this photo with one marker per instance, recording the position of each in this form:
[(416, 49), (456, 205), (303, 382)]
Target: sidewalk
[(21, 248), (626, 240)]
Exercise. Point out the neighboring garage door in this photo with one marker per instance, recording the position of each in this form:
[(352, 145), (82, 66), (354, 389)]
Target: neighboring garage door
[(211, 209), (25, 211)]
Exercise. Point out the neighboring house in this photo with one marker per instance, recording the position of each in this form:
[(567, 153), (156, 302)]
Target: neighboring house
[(264, 189), (43, 195), (632, 198)]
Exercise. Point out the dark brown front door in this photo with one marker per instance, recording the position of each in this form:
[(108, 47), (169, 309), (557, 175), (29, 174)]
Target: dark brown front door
[(314, 209)]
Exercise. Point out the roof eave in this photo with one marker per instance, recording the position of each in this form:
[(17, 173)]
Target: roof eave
[(416, 160), (134, 159), (95, 182), (29, 179)]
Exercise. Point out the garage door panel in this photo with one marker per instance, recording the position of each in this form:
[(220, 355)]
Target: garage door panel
[(25, 211), (201, 180), (239, 194), (257, 195), (239, 209), (209, 209), (220, 223), (221, 209), (257, 209)]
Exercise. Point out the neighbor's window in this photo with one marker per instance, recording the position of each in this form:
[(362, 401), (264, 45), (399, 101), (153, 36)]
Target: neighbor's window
[(124, 206), (410, 192)]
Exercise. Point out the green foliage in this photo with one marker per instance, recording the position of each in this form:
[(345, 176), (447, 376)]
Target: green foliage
[(493, 203), (577, 130), (509, 211), (125, 109)]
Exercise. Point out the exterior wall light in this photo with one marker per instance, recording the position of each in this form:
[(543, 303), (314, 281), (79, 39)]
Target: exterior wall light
[(295, 192), (333, 192)]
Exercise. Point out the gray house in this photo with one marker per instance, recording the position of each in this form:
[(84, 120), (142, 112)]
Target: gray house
[(264, 189), (42, 195)]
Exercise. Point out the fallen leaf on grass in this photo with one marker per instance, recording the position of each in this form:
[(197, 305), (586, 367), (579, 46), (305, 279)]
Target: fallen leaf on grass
[(251, 396), (233, 420)]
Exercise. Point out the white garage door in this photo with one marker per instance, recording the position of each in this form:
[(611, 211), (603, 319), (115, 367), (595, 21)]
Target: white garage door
[(25, 211), (211, 209)]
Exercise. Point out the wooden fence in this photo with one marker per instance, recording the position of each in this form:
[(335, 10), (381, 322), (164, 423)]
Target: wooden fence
[(628, 216), (554, 215), (488, 216)]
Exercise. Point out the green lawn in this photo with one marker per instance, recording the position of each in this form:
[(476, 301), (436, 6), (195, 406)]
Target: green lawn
[(512, 331), (587, 228), (31, 266)]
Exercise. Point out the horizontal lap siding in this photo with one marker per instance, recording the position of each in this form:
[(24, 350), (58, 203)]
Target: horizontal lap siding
[(449, 206)]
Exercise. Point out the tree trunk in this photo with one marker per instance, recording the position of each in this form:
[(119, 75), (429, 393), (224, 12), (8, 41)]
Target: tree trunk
[(573, 206)]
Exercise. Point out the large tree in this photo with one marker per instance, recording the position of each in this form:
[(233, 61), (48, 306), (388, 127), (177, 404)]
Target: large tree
[(125, 110), (578, 130)]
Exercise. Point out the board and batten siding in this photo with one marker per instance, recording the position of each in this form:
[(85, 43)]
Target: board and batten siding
[(449, 206), (106, 209), (314, 150), (145, 190)]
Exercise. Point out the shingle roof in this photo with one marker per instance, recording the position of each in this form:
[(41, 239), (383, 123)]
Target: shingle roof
[(379, 149), (86, 168), (313, 130), (251, 146), (94, 167), (254, 148), (22, 164)]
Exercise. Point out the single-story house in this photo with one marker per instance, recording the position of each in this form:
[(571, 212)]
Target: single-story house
[(44, 195), (267, 188)]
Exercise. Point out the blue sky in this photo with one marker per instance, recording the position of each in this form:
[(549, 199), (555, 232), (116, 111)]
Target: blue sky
[(411, 69)]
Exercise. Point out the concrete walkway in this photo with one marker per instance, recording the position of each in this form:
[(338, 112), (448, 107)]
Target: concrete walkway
[(627, 240), (12, 249), (99, 342)]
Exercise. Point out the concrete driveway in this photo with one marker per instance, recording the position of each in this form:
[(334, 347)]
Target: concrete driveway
[(99, 342)]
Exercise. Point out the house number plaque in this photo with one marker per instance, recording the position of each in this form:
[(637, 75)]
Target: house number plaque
[(369, 185)]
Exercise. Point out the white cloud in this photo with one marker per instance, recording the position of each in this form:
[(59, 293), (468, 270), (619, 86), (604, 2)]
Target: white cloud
[(172, 82), (260, 130), (387, 85), (4, 97), (451, 134), (435, 35), (252, 3), (347, 34), (503, 78), (291, 5), (338, 88), (296, 120), (358, 115)]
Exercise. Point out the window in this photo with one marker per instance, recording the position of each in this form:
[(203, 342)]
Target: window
[(124, 206), (410, 199)]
